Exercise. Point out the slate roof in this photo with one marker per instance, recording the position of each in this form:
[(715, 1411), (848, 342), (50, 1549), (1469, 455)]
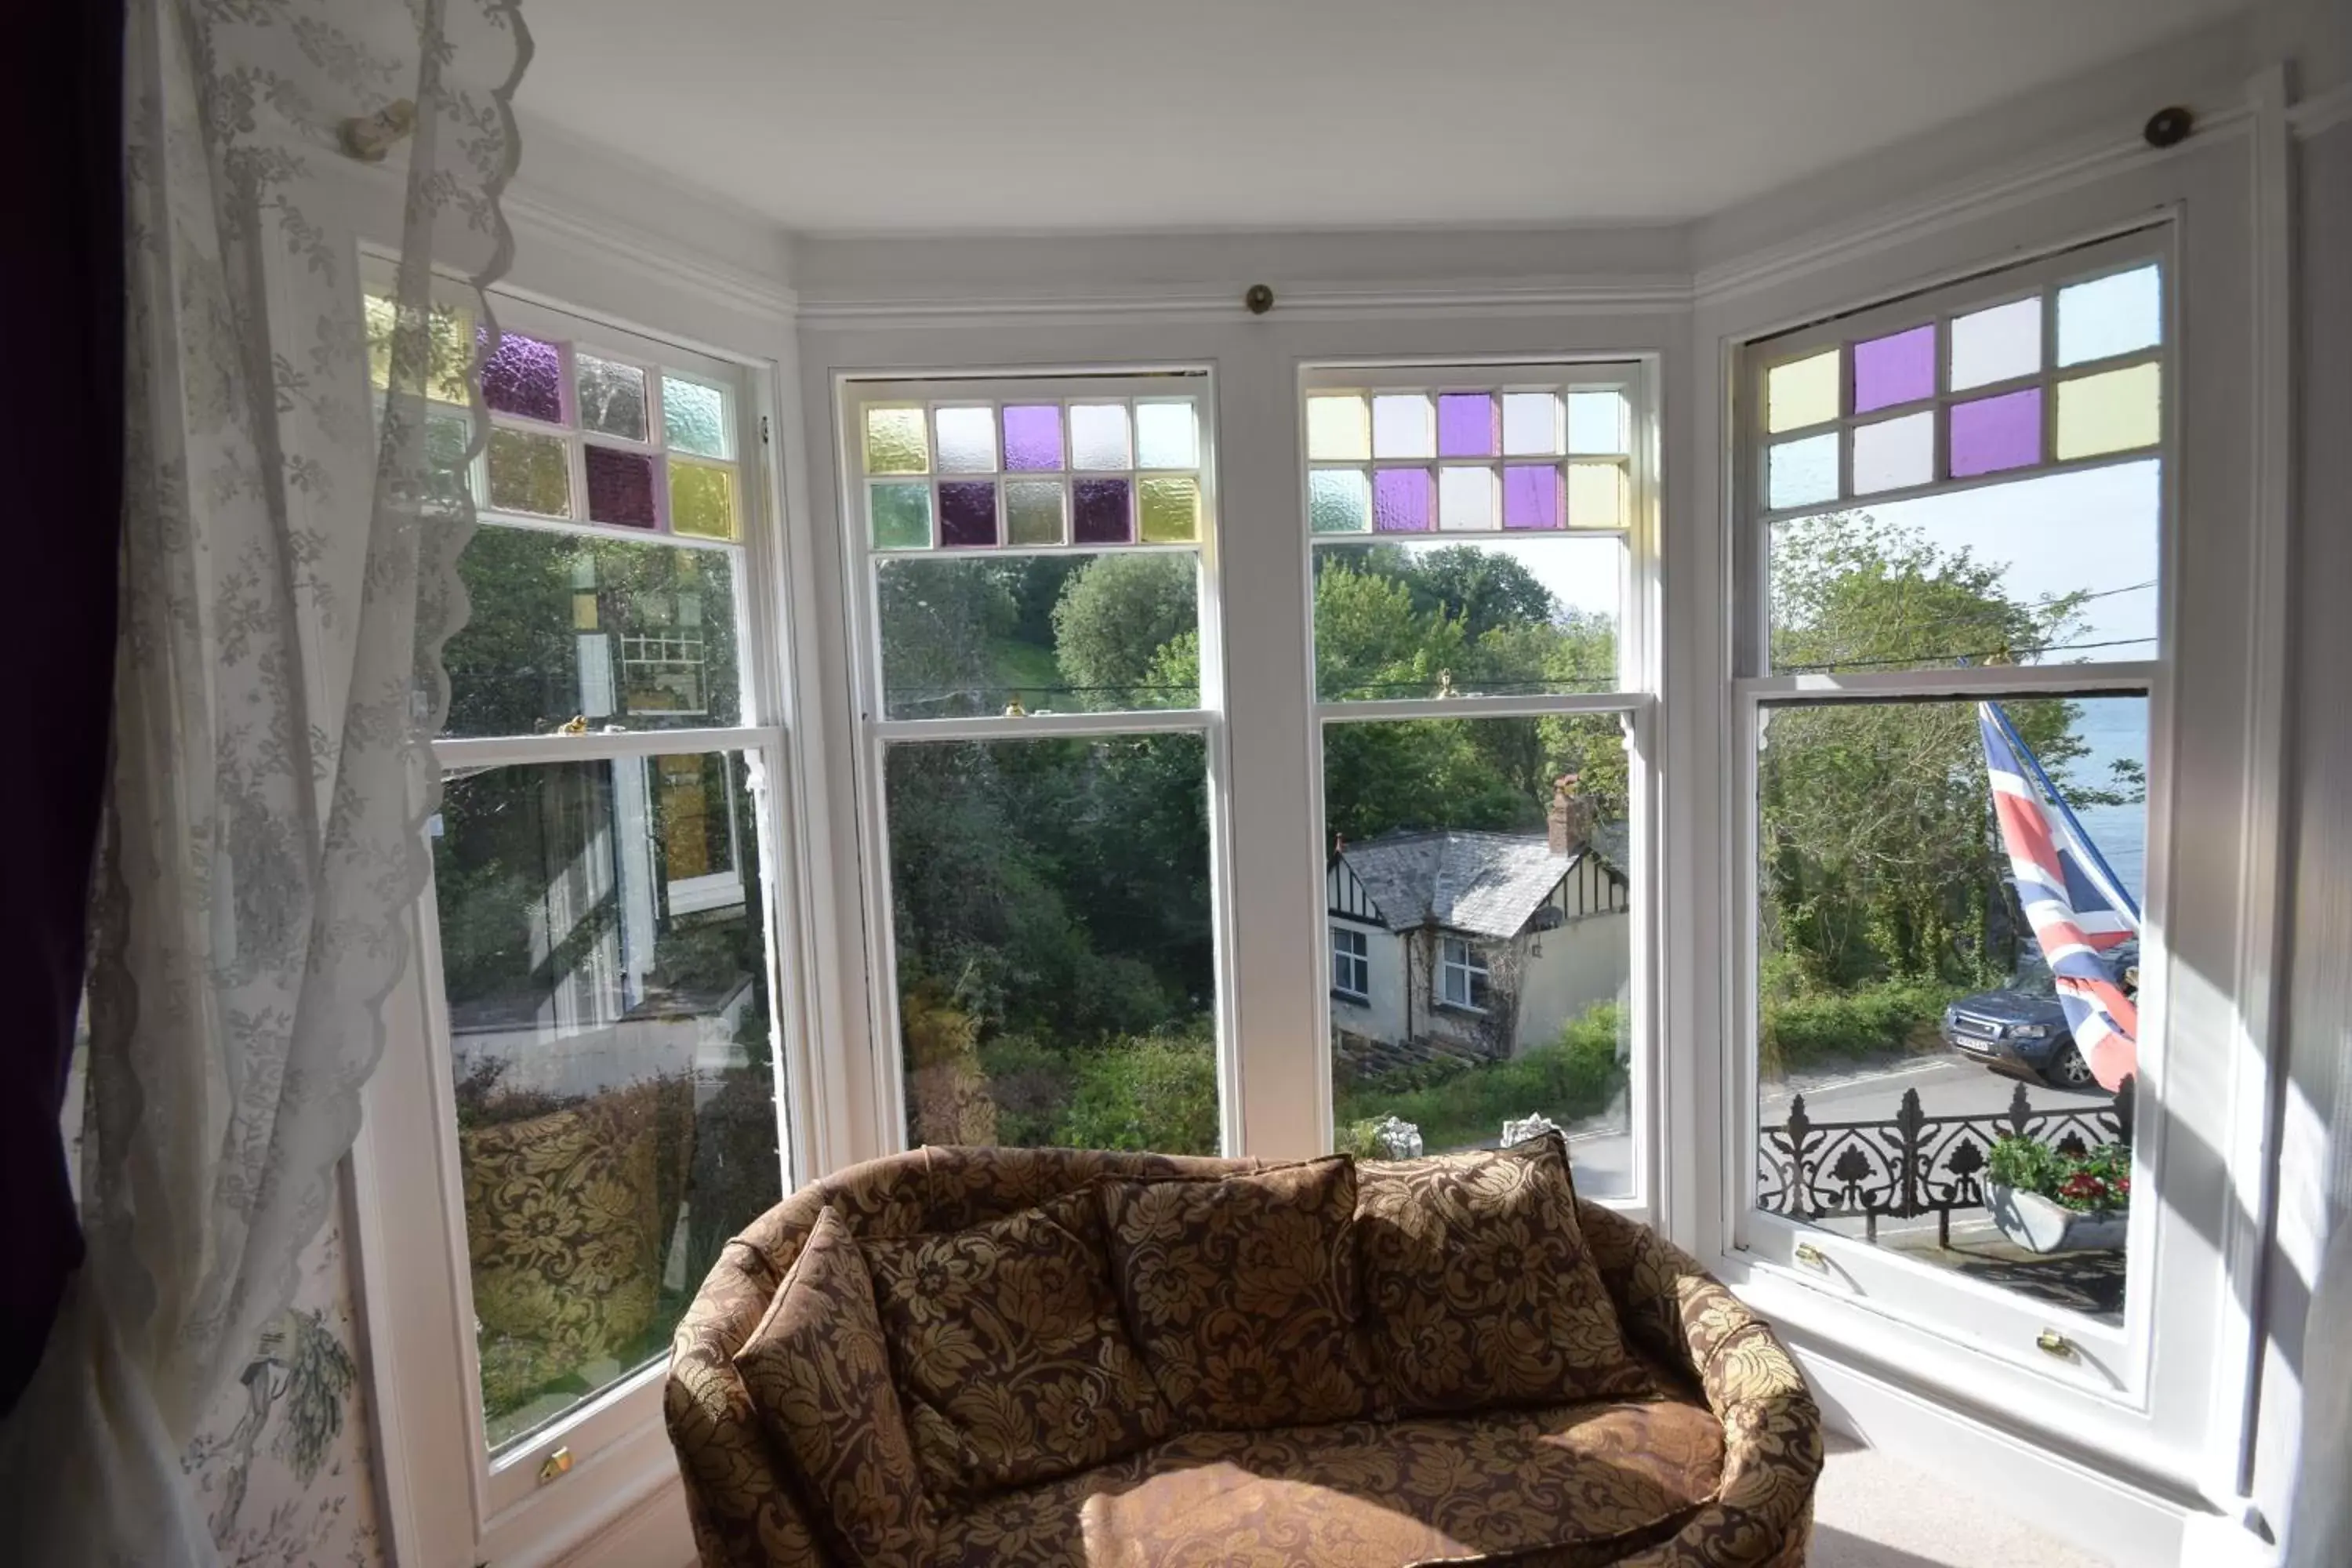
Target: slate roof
[(1483, 884)]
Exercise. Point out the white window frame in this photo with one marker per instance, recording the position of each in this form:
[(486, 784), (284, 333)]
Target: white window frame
[(1458, 960), (1351, 957)]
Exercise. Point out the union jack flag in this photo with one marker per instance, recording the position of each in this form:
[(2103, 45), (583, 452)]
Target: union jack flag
[(2076, 906)]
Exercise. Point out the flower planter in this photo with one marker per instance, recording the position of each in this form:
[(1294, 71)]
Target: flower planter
[(2038, 1224)]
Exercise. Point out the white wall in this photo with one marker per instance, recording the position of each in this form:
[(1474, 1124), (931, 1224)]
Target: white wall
[(1584, 962)]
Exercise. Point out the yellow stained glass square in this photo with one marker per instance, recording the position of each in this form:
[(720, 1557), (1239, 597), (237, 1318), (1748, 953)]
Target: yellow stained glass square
[(1172, 511), (1803, 392), (702, 499), (529, 473), (898, 441), (1338, 428), (449, 332), (1598, 496), (2114, 411), (1033, 511)]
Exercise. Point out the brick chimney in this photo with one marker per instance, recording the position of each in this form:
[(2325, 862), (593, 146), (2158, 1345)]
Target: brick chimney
[(1568, 825)]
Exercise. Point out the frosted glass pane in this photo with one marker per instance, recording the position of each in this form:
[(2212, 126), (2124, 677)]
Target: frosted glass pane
[(1103, 511), (1802, 393), (1999, 344), (1596, 422), (967, 440), (1899, 368), (1531, 424), (1338, 501), (1995, 433), (1032, 437), (612, 396), (1171, 510), (1465, 497), (1167, 435), (1402, 500), (1893, 453), (902, 515), (1467, 427), (967, 514), (1531, 496), (1033, 511), (2113, 412), (620, 487), (1338, 428), (1405, 424), (694, 418), (2113, 315), (701, 499), (530, 474), (1098, 437), (896, 442), (1803, 472), (1598, 495)]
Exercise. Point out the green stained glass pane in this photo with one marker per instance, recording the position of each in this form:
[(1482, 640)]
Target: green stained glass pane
[(451, 345), (702, 499), (1172, 511), (694, 418), (902, 516), (1033, 511), (1338, 501), (530, 474), (896, 441), (447, 473)]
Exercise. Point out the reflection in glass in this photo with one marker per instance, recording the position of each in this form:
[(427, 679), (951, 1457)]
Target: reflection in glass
[(1421, 618)]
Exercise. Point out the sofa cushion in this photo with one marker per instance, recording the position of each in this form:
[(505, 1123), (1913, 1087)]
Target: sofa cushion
[(1010, 1353), (1241, 1292), (1479, 1289), (819, 1378), (1584, 1484)]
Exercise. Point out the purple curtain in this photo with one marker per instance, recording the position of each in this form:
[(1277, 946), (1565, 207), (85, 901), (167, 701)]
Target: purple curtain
[(62, 408)]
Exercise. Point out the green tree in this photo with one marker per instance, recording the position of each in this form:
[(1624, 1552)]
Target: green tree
[(1114, 616)]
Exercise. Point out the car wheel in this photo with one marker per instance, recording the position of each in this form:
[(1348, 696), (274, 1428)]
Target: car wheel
[(2069, 1070)]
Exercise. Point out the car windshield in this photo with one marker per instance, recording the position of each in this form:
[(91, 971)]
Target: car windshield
[(2032, 979)]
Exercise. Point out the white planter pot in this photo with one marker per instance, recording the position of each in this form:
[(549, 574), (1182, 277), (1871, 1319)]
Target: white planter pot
[(2037, 1224)]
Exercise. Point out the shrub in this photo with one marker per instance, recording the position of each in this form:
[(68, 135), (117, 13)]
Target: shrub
[(1574, 1076), (1154, 1093), (1883, 1017)]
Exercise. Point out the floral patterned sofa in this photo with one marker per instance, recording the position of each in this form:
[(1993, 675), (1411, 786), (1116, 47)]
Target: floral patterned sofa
[(1705, 1458)]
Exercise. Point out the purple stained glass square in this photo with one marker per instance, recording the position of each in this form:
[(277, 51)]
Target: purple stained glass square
[(1531, 496), (967, 514), (1400, 500), (1103, 511), (525, 377), (1898, 368), (620, 487), (1032, 437), (1995, 433), (1468, 425)]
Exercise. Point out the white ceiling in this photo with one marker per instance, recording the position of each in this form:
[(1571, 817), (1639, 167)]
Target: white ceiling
[(877, 115)]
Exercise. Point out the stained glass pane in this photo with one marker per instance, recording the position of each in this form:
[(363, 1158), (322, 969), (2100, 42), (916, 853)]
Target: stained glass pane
[(1402, 501), (1032, 511), (1338, 428), (1598, 495), (1999, 344), (1032, 437), (902, 515), (1103, 511), (2113, 412), (1465, 497), (525, 377), (1895, 453), (694, 418), (1405, 424), (1098, 436), (897, 442), (1172, 511), (1532, 496), (530, 474), (451, 339), (1338, 501), (2113, 315), (1531, 424), (967, 440), (1467, 427), (1167, 435), (1804, 471), (1995, 433), (620, 487), (449, 474), (612, 396), (1596, 422), (1802, 393), (967, 514), (1899, 368), (702, 499)]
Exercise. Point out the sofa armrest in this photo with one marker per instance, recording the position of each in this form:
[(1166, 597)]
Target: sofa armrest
[(1761, 1513)]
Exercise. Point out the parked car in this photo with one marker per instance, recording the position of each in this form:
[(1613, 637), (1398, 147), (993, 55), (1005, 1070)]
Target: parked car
[(2021, 1029)]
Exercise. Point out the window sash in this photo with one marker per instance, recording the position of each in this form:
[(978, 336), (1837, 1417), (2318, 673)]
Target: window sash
[(1351, 969)]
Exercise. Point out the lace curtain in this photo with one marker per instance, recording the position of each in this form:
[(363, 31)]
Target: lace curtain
[(288, 578)]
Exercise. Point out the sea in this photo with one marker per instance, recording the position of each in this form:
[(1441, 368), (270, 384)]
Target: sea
[(2115, 729)]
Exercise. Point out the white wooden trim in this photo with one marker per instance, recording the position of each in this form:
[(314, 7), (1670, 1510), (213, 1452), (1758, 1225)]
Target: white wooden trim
[(2315, 116), (1642, 295), (1970, 680), (597, 745), (659, 259), (1344, 710)]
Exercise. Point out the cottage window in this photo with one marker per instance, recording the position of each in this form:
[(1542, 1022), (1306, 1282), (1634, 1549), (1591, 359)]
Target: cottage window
[(1462, 979), (1351, 964)]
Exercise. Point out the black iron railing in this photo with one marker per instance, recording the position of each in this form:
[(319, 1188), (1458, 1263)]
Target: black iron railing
[(1912, 1163)]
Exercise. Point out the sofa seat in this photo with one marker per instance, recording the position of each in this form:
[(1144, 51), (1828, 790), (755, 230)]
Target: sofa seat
[(1485, 1488)]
